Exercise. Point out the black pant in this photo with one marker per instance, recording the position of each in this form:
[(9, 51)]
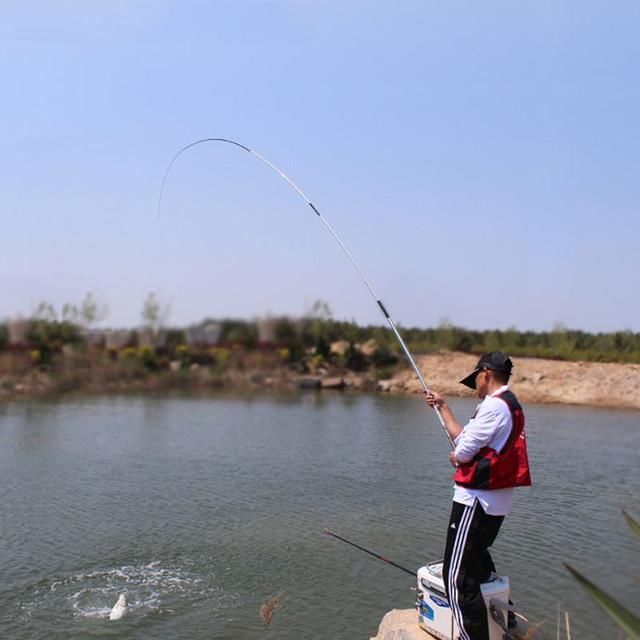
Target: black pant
[(467, 564)]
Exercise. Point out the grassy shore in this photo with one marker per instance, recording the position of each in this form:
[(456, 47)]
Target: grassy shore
[(47, 355), (534, 379)]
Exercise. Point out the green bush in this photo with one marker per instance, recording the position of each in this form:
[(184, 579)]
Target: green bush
[(322, 347), (173, 338), (355, 359), (286, 333), (384, 357), (49, 336), (148, 357), (239, 332), (220, 356)]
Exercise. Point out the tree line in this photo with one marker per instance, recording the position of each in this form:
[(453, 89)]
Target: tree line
[(48, 331)]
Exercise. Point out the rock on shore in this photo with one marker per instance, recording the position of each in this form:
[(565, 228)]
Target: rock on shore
[(400, 624)]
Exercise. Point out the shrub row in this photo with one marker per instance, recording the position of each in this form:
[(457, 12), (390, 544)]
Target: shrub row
[(314, 335)]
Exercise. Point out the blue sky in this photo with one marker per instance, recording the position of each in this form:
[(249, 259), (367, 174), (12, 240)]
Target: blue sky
[(480, 160)]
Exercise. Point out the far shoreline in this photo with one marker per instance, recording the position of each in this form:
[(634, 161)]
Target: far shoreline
[(534, 380)]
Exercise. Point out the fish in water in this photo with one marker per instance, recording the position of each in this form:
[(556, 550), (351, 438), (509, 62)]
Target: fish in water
[(119, 608), (267, 609)]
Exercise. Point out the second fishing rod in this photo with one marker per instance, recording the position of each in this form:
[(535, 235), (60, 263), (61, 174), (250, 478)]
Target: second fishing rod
[(371, 553)]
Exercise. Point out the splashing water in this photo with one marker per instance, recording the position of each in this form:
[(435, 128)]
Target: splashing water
[(151, 588)]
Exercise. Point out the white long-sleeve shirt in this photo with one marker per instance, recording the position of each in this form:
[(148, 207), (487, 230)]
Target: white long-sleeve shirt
[(490, 427)]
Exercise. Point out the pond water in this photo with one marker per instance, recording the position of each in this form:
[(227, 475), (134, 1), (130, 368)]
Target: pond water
[(201, 508)]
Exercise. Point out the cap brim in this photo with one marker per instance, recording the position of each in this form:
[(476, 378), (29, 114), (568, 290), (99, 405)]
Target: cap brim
[(470, 380)]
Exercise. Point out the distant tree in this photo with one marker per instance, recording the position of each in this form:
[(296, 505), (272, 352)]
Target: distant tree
[(285, 332), (69, 313), (323, 348), (49, 336), (320, 310), (174, 337), (154, 313), (45, 311), (384, 357), (460, 340), (354, 358), (91, 312), (239, 332), (87, 314), (4, 336), (316, 326)]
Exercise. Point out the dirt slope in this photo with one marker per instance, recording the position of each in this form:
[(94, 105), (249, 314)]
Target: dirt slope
[(533, 380)]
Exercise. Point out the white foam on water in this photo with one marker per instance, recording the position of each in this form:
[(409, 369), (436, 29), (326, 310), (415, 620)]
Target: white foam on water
[(151, 587)]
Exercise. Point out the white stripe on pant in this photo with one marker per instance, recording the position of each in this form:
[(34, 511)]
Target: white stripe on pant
[(467, 564), (456, 558)]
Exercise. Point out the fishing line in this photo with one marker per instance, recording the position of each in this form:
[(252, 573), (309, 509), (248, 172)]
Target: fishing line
[(331, 231)]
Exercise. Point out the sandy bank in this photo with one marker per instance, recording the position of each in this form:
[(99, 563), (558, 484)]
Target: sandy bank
[(533, 380)]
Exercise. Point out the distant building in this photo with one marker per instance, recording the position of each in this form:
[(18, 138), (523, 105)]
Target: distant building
[(18, 328), (94, 337), (269, 326), (150, 338), (118, 338), (205, 334), (267, 329)]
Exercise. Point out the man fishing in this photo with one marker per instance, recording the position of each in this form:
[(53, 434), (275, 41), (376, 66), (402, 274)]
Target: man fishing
[(490, 452), (490, 457)]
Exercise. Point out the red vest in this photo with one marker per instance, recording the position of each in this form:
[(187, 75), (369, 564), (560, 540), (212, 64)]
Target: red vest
[(491, 469)]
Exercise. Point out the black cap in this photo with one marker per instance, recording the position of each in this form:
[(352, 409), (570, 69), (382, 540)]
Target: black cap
[(495, 361)]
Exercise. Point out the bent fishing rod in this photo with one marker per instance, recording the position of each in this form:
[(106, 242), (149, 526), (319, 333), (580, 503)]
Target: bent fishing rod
[(336, 238)]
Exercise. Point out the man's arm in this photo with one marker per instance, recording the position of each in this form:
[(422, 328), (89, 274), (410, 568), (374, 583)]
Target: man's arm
[(478, 433), (482, 430), (450, 421)]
